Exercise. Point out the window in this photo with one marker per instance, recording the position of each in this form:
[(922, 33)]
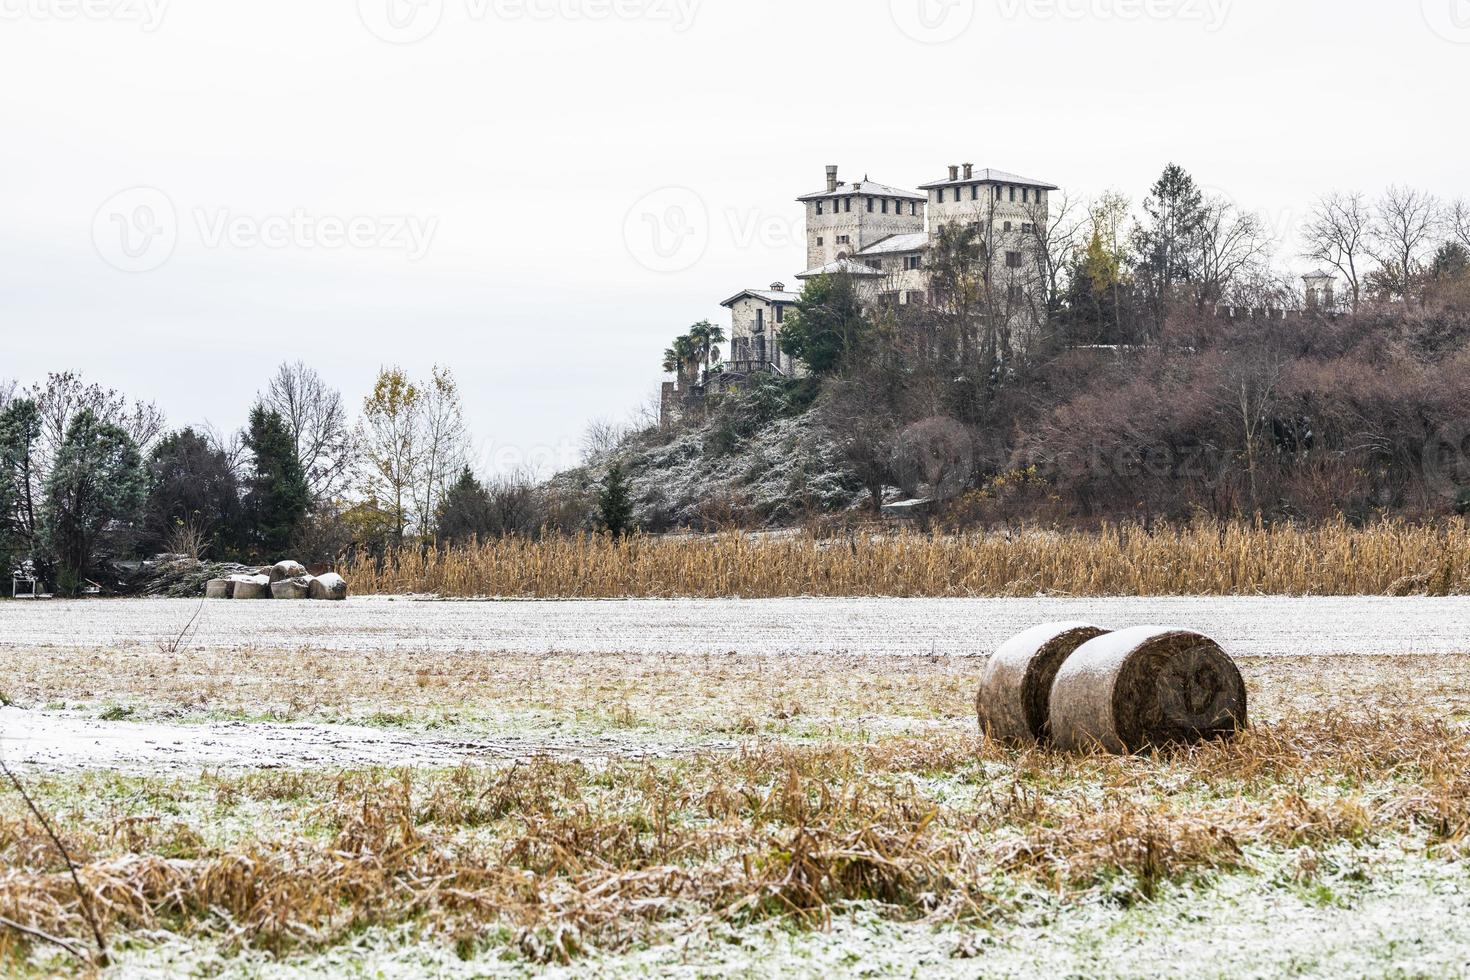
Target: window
[(875, 265), (997, 192), (819, 207), (870, 205), (844, 239), (760, 320), (1013, 260), (780, 313), (885, 205), (1013, 195), (974, 192), (1027, 228), (1008, 226), (820, 241), (914, 208), (1016, 295), (912, 262), (847, 205), (1025, 195)]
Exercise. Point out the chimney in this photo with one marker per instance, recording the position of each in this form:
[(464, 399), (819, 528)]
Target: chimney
[(831, 178), (969, 170), (778, 287), (954, 173)]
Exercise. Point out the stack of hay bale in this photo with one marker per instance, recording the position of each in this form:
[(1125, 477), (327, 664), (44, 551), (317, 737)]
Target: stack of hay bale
[(1079, 686), (283, 580)]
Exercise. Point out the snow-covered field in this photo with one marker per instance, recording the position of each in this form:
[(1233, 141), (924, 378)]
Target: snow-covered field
[(163, 729), (1263, 626), (60, 742)]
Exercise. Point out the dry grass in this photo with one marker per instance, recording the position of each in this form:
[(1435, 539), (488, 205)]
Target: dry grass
[(1205, 559), (702, 693), (832, 799), (558, 858)]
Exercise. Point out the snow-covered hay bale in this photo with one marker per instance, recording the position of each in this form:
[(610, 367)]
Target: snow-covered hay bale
[(219, 588), (251, 587), (1146, 687), (1015, 690), (331, 587), (282, 570), (292, 588)]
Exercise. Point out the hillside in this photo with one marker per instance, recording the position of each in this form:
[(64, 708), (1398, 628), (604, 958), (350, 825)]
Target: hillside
[(754, 457)]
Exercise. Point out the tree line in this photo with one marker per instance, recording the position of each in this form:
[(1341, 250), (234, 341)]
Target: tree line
[(88, 476)]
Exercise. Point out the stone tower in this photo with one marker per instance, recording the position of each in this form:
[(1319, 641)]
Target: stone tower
[(1321, 290), (844, 218)]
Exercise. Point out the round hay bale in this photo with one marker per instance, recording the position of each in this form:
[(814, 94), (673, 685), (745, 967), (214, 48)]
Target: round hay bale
[(251, 587), (219, 588), (292, 588), (283, 570), (1016, 687), (331, 587), (1144, 688)]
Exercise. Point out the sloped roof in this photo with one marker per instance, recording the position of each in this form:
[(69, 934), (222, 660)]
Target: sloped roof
[(894, 244), (840, 267), (989, 176), (1320, 274), (769, 295), (864, 187)]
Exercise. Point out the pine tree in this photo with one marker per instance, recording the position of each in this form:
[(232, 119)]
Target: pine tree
[(94, 493), (615, 503), (277, 497), (467, 511)]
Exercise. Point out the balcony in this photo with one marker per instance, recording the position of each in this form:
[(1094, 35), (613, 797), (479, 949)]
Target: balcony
[(742, 366)]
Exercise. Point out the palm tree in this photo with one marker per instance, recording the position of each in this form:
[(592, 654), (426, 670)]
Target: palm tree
[(682, 358), (705, 336)]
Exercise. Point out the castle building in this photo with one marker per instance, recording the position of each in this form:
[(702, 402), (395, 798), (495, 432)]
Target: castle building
[(880, 235)]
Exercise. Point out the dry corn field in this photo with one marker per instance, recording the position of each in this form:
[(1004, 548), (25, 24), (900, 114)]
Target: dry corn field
[(708, 814), (1206, 559)]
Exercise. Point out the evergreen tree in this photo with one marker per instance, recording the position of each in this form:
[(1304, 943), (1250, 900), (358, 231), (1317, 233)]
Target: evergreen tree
[(467, 511), (1167, 245), (827, 324), (20, 429), (191, 483), (93, 495), (615, 503), (277, 496)]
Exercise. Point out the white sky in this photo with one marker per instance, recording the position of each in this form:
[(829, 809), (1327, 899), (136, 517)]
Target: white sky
[(527, 136)]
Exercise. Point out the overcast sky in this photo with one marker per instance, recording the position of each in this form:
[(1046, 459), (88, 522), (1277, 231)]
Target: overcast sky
[(541, 193)]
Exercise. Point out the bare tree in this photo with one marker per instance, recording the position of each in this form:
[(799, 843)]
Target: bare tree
[(445, 442), (66, 394), (1057, 227), (1233, 246), (317, 419), (1459, 221), (602, 437), (230, 445), (7, 392), (1337, 233), (1405, 223), (1248, 391)]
